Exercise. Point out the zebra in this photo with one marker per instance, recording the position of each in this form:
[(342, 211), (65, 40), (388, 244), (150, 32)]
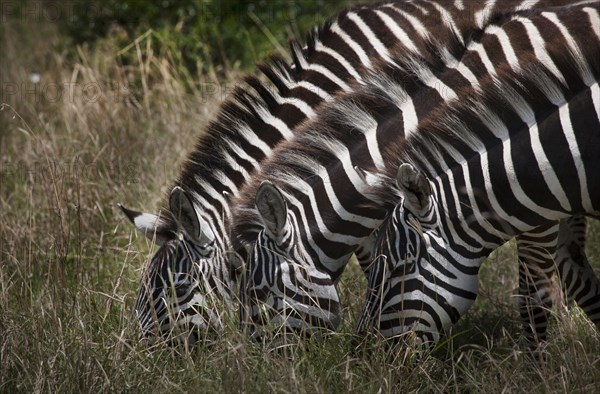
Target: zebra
[(310, 207), (192, 278), (425, 273)]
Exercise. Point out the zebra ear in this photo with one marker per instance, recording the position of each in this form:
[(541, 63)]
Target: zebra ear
[(159, 229), (415, 186), (182, 208), (272, 208)]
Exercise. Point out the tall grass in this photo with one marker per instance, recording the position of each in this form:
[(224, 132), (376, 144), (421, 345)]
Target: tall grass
[(70, 263)]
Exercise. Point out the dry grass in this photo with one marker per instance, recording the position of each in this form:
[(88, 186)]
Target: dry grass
[(70, 263)]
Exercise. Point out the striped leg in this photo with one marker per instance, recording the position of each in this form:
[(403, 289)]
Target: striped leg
[(577, 276), (374, 299), (537, 291), (552, 262)]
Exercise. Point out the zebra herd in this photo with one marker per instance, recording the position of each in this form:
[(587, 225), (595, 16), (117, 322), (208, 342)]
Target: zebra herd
[(418, 135)]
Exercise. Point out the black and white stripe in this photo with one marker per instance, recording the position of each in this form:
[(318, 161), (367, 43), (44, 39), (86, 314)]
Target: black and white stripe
[(325, 200), (511, 161), (248, 127), (258, 117)]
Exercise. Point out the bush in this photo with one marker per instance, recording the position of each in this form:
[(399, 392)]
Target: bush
[(204, 34)]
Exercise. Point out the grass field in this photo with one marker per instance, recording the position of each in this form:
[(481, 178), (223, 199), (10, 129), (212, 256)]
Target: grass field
[(80, 132)]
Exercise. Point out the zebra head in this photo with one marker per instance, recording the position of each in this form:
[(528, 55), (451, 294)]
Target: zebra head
[(281, 288), (187, 281), (400, 298)]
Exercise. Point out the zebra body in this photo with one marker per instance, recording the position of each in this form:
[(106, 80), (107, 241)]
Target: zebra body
[(515, 159), (192, 278), (314, 209)]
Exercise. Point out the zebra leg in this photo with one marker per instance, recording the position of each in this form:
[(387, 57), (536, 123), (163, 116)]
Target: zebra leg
[(544, 262), (577, 276), (537, 291), (376, 273)]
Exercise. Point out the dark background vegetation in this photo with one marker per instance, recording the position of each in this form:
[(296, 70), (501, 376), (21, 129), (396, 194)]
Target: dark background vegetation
[(199, 33)]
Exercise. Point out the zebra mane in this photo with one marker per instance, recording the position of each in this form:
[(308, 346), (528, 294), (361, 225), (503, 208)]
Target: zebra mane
[(246, 108)]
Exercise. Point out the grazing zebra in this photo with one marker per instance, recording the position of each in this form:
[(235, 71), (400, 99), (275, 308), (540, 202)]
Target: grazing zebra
[(191, 280), (495, 165), (311, 207)]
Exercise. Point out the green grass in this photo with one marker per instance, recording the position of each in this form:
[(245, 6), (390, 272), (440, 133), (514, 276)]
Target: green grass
[(70, 263)]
